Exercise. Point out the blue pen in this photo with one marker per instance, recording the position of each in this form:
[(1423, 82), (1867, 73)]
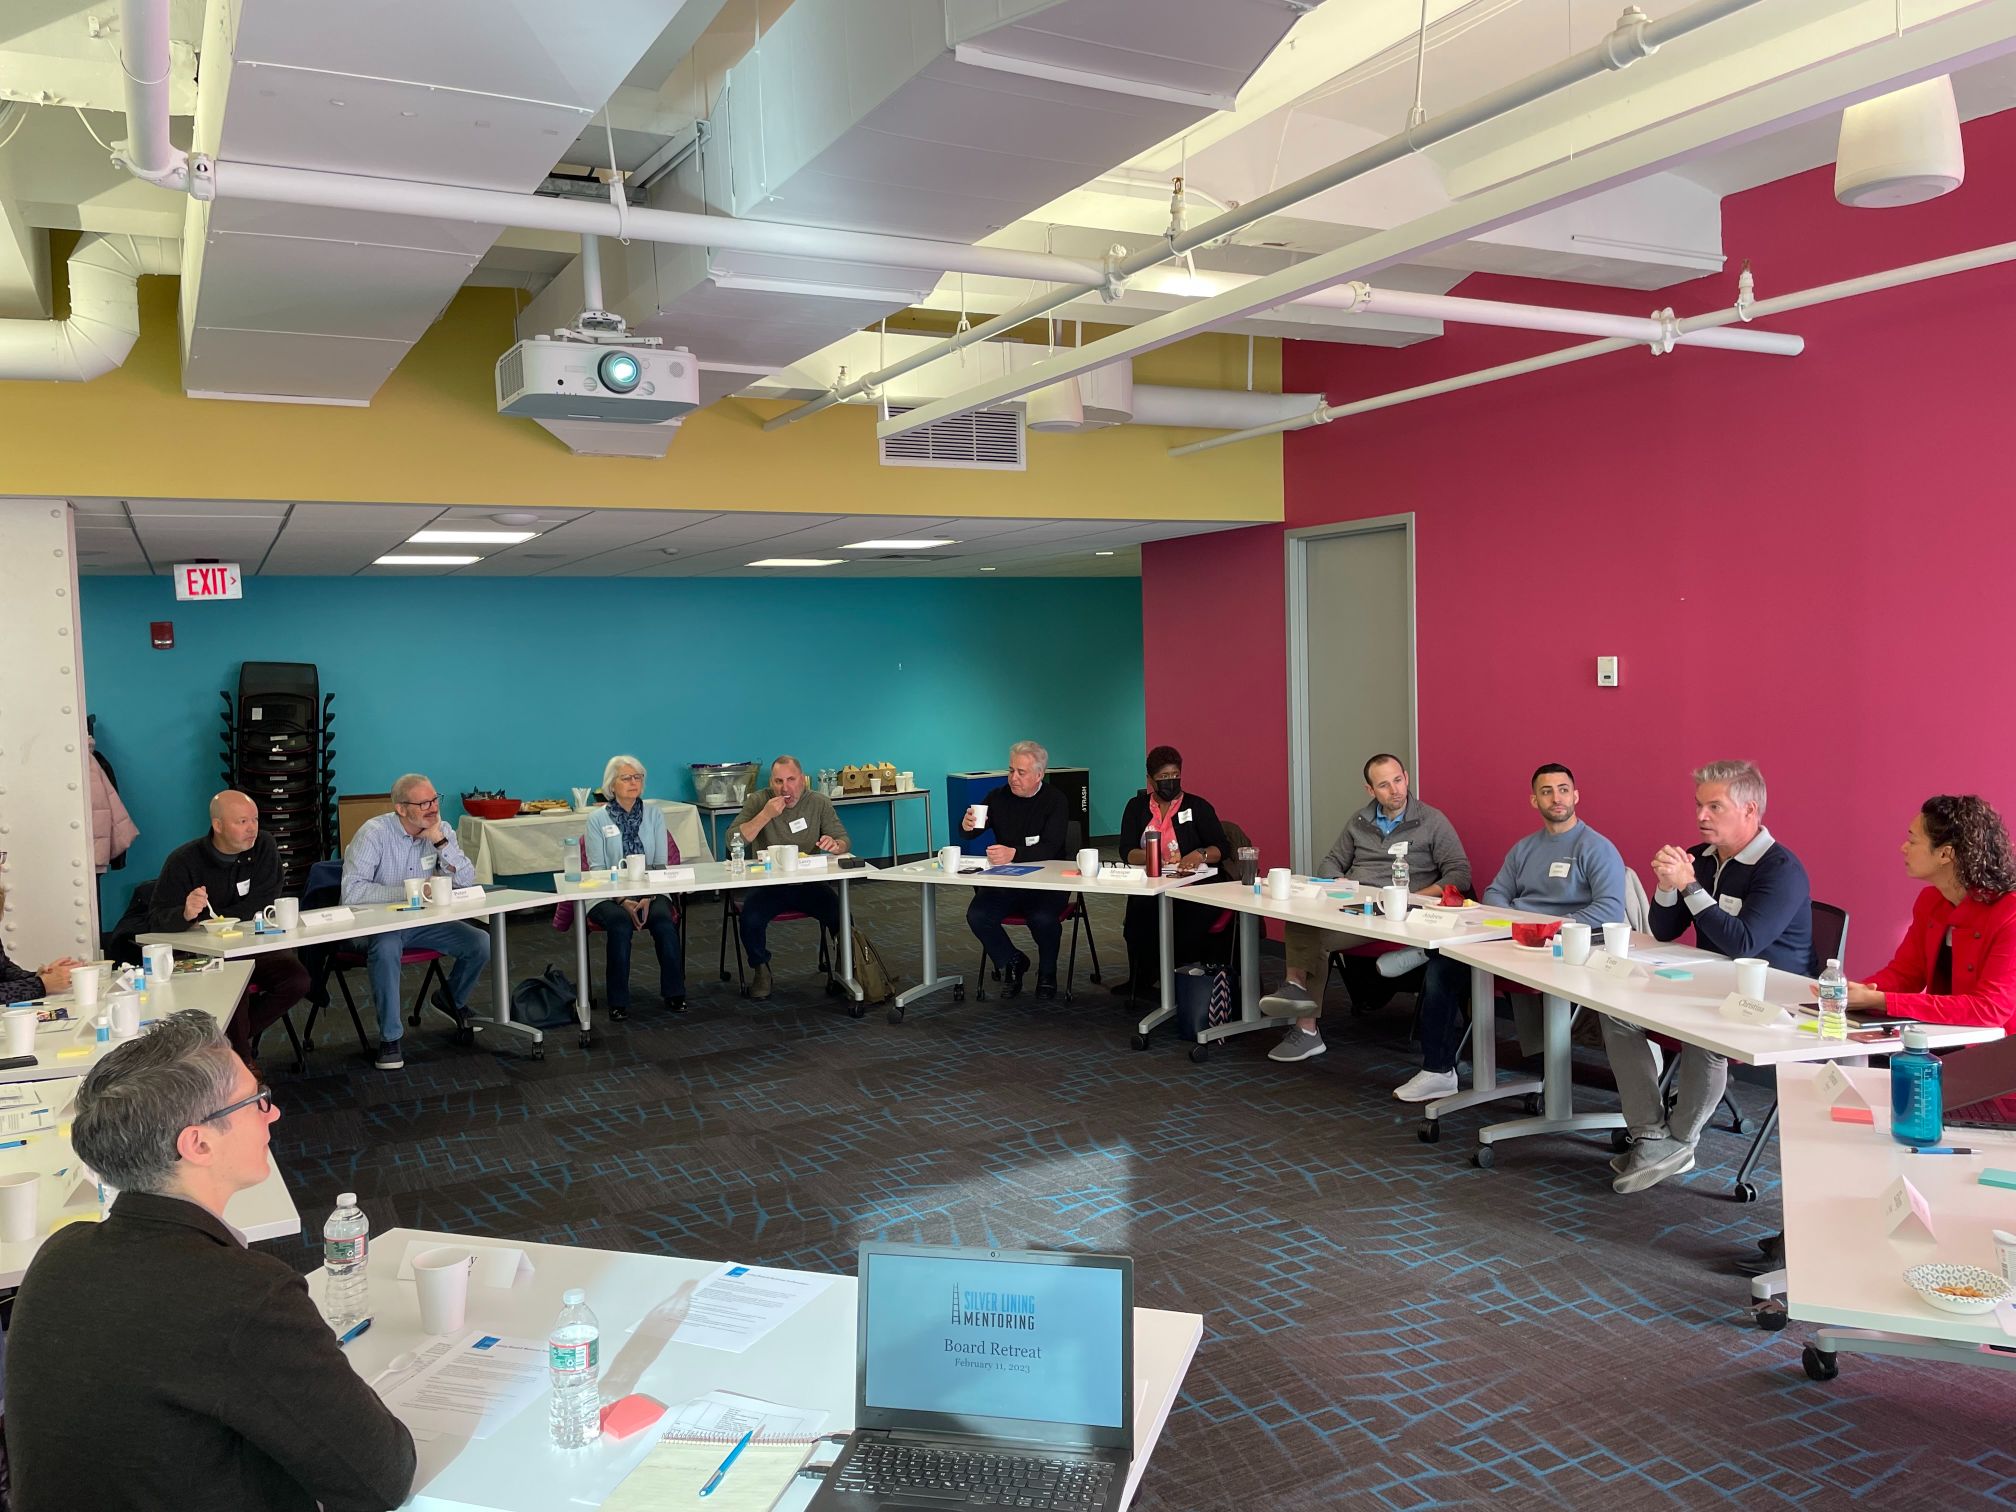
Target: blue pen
[(1940, 1150), (14, 1144), (741, 1444), (354, 1330)]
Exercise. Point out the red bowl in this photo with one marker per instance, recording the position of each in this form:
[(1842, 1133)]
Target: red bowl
[(491, 808), (1535, 934)]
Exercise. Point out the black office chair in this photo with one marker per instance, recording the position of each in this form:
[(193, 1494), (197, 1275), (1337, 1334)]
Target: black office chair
[(1074, 911)]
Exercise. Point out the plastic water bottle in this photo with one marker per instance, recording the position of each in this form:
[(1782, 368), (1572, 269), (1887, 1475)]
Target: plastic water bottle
[(1399, 854), (1917, 1114), (1151, 851), (738, 855), (345, 1240), (574, 1363), (572, 859), (1833, 1002)]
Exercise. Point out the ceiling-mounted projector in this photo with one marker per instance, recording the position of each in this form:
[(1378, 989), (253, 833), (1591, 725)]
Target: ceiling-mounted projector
[(580, 378)]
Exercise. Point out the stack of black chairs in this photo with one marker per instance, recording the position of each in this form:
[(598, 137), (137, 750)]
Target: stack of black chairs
[(277, 748)]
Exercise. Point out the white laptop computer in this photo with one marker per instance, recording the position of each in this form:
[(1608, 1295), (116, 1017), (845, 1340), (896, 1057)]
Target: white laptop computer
[(989, 1378)]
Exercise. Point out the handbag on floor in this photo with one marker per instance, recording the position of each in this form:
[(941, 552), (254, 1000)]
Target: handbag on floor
[(545, 1001), (1203, 999), (871, 973)]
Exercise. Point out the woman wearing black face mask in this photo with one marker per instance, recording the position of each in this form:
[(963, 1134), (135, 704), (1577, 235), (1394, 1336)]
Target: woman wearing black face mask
[(1166, 809)]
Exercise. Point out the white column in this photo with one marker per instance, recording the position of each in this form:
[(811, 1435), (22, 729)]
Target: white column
[(45, 790)]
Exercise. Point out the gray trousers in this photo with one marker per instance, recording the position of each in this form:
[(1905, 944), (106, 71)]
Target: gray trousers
[(1702, 1079)]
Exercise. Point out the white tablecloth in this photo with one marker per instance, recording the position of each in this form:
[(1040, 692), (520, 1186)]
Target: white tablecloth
[(531, 842)]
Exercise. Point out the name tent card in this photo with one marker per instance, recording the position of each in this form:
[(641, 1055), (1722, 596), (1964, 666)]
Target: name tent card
[(1838, 1089), (1739, 1009), (1906, 1213), (1615, 968)]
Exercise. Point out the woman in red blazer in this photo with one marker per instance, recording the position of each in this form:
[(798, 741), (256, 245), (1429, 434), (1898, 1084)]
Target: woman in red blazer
[(1957, 962)]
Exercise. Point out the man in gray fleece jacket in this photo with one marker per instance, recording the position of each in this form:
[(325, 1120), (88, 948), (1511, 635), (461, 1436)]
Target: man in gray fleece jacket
[(1362, 853)]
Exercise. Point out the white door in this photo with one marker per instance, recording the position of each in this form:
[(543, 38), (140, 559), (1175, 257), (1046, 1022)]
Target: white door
[(1350, 669)]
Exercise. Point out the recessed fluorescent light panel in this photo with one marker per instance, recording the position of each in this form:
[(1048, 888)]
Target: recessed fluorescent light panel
[(798, 562), (470, 537), (425, 561), (917, 545)]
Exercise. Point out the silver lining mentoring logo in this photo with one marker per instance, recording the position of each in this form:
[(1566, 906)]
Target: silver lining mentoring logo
[(990, 1309)]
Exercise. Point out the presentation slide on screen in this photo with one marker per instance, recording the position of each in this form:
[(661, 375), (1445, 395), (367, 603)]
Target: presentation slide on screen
[(995, 1338)]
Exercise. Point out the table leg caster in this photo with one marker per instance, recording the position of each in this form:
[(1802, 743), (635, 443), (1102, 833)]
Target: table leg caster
[(1199, 1054), (1139, 1041), (1819, 1364), (856, 1010), (1531, 1103), (1483, 1157), (1769, 1316), (896, 1015), (1430, 1131), (959, 994)]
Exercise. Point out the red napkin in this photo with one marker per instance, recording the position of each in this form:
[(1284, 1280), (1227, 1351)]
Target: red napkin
[(1452, 895)]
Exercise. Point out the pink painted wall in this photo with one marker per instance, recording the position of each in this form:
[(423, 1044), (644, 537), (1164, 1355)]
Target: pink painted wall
[(1806, 561)]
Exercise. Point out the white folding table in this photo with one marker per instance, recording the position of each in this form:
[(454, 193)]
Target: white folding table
[(807, 1361), (1049, 876), (69, 1047)]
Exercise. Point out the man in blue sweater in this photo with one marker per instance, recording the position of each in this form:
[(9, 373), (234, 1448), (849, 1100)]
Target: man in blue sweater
[(1744, 895), (1563, 868)]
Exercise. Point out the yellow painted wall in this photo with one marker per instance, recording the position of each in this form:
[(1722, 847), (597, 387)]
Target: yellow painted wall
[(433, 436)]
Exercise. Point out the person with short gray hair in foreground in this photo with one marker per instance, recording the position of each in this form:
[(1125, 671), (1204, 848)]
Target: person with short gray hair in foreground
[(155, 1364)]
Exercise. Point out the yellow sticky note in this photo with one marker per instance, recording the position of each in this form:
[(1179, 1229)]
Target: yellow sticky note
[(78, 1052)]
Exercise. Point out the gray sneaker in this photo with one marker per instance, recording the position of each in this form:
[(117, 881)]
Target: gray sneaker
[(1651, 1161), (1287, 1001), (1298, 1044)]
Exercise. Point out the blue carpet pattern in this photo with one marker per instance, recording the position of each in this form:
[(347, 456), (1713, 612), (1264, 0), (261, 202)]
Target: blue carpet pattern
[(1385, 1326)]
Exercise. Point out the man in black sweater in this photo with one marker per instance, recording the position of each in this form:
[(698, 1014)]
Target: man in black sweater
[(1028, 818), (155, 1364), (235, 871)]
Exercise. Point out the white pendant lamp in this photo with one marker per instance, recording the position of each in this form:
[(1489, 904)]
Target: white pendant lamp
[(1901, 148)]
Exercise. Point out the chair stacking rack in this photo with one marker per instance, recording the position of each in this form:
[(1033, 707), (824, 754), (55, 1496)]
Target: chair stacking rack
[(277, 748)]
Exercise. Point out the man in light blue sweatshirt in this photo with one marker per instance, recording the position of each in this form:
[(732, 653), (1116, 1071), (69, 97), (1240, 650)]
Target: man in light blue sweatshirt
[(1562, 868)]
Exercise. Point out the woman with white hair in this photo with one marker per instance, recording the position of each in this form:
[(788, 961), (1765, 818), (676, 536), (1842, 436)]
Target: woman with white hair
[(628, 826)]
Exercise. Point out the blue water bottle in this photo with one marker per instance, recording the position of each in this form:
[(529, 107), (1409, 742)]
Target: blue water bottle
[(1917, 1115)]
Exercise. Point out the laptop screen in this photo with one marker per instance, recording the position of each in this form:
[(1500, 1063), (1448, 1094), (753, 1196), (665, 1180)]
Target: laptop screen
[(1021, 1345)]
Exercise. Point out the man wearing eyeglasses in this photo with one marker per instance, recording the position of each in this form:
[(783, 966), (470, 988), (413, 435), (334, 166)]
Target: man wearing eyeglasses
[(386, 851), (156, 1362)]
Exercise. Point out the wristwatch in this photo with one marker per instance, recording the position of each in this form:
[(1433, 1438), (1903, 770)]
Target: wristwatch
[(438, 844)]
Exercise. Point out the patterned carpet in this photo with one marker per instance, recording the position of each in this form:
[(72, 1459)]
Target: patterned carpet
[(1384, 1325)]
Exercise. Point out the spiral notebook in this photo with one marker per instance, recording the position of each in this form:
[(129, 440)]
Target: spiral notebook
[(672, 1474)]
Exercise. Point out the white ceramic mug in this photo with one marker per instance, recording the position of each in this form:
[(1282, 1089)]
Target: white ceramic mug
[(1617, 938), (284, 914), (439, 890), (1088, 864), (1280, 882), (86, 982), (124, 1010), (1576, 942), (948, 858), (20, 1218), (160, 961), (441, 1277), (415, 890), (634, 865), (1393, 902), (1750, 976), (21, 1024)]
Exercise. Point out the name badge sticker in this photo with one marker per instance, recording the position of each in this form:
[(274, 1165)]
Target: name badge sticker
[(609, 830), (1031, 839), (1730, 906), (244, 886), (795, 825), (1559, 868), (1184, 817)]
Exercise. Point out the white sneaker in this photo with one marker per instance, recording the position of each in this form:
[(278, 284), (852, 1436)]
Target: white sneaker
[(1427, 1086)]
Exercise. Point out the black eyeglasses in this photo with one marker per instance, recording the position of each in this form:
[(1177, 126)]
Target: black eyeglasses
[(263, 1097), (421, 803)]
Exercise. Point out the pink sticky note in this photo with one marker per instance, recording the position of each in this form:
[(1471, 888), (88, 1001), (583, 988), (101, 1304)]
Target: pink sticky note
[(624, 1417), (1851, 1115)]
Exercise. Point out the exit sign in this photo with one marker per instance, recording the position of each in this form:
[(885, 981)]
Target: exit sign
[(208, 580)]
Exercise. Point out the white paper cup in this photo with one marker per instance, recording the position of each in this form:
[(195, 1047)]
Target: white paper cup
[(1279, 882), (1576, 940), (123, 1008), (86, 982), (906, 782), (948, 858), (1393, 902), (415, 889), (283, 914), (19, 1219), (1750, 973), (1617, 938), (1088, 864), (441, 1277), (875, 787), (979, 813), (20, 1031), (439, 889), (160, 961)]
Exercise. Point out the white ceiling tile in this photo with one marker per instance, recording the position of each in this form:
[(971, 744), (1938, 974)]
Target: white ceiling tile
[(208, 508)]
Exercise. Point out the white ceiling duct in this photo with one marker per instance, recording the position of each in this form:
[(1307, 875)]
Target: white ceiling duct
[(1900, 149), (105, 273), (1091, 401)]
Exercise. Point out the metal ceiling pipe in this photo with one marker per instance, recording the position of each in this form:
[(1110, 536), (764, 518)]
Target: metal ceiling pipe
[(1634, 38), (1941, 267), (1211, 409), (147, 152), (1362, 299), (104, 319), (497, 207)]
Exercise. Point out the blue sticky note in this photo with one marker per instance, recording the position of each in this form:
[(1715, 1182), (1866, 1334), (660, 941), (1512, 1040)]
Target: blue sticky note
[(1674, 973), (486, 1342), (1997, 1178), (738, 1270)]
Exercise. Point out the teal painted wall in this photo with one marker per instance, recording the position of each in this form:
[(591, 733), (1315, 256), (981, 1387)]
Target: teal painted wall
[(531, 684)]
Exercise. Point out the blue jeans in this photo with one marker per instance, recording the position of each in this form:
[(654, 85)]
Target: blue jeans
[(619, 934), (762, 904), (1445, 1012), (1042, 909), (465, 943)]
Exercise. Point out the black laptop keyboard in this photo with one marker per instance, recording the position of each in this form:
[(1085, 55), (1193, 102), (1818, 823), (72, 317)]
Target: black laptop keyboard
[(976, 1477)]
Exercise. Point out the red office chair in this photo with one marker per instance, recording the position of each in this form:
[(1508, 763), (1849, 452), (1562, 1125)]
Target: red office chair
[(563, 912), (324, 879), (731, 915)]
